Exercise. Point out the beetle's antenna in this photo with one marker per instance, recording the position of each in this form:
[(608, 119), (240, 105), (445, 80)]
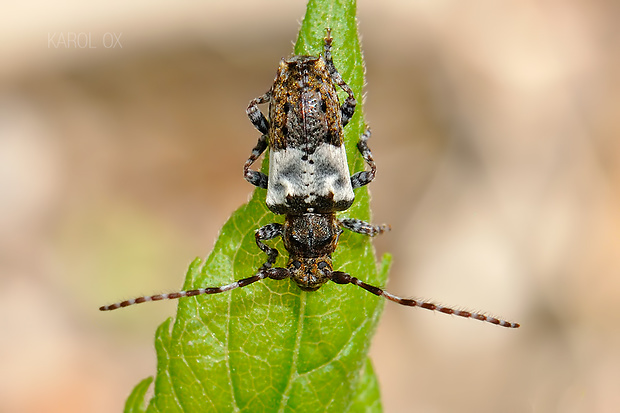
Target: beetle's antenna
[(273, 273), (340, 277)]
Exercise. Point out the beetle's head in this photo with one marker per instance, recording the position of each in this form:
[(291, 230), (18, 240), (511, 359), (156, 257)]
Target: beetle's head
[(310, 273)]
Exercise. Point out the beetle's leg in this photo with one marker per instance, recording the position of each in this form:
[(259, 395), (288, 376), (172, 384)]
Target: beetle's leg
[(340, 277), (348, 107), (256, 178), (364, 177), (256, 116), (363, 227), (260, 122), (269, 231)]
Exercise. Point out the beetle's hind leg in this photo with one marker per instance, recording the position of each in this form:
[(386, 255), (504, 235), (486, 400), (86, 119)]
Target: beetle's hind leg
[(348, 106)]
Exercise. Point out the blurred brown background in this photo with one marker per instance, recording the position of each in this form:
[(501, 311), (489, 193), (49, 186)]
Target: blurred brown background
[(494, 129)]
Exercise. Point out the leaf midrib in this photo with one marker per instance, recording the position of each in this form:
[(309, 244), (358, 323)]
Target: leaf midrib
[(293, 370)]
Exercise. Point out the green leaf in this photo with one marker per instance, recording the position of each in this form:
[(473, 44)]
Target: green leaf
[(135, 401), (270, 347), (368, 398)]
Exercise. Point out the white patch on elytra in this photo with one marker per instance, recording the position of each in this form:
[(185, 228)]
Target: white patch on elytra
[(324, 172)]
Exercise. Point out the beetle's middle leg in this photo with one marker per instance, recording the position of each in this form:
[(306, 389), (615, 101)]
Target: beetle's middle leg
[(259, 121), (364, 177)]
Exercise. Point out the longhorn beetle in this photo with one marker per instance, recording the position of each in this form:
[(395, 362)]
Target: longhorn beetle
[(308, 181)]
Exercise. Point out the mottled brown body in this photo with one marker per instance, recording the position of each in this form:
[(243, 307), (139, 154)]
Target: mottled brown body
[(308, 172), (310, 240), (304, 110), (308, 181), (309, 178)]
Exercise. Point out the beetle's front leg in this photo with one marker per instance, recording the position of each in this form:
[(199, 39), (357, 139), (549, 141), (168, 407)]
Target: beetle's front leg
[(363, 227), (269, 231)]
